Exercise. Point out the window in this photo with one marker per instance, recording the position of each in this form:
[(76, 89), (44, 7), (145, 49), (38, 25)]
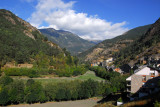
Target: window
[(128, 88), (152, 74), (128, 82), (144, 78)]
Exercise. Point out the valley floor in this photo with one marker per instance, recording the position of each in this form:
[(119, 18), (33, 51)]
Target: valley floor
[(52, 79), (78, 103)]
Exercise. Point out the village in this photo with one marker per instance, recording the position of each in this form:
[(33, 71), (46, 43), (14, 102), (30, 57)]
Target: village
[(144, 76)]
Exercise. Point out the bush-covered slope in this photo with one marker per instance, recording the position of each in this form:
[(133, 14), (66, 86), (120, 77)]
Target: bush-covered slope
[(108, 47), (146, 45), (20, 41), (68, 40)]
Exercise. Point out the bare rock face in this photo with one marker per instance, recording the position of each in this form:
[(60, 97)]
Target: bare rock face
[(28, 25), (10, 19), (29, 34)]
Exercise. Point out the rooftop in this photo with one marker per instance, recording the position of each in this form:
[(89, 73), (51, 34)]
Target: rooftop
[(143, 70)]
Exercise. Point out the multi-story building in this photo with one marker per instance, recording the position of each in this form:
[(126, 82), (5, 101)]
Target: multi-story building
[(137, 81), (107, 62)]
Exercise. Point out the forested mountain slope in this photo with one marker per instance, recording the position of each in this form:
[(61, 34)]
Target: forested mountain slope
[(108, 47), (21, 42), (146, 45), (68, 40)]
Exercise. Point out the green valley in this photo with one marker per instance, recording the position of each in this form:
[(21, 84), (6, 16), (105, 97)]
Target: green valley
[(116, 64), (27, 58)]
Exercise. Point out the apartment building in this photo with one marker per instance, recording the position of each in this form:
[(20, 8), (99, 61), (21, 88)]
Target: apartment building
[(138, 80)]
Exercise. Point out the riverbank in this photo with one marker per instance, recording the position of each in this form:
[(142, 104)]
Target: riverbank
[(78, 103)]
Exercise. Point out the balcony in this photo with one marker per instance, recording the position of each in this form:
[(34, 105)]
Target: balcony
[(128, 89), (144, 81), (129, 83), (144, 78), (152, 74)]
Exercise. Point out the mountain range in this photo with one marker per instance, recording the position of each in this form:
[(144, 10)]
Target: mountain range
[(73, 43), (109, 47), (21, 42)]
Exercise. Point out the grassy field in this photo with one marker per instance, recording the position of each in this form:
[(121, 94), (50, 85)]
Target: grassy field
[(88, 75), (51, 79)]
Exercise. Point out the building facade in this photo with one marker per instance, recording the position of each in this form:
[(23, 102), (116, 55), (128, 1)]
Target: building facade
[(138, 80)]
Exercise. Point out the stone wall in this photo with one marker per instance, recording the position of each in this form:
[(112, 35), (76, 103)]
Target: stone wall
[(13, 65)]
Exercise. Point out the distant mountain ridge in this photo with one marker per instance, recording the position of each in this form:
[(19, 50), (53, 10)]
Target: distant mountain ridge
[(95, 41), (68, 40), (108, 47)]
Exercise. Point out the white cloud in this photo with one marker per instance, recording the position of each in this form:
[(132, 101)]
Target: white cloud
[(60, 15)]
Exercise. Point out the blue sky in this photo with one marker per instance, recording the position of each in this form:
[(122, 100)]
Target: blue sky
[(90, 19)]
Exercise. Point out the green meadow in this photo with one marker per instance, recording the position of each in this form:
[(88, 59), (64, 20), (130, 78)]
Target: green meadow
[(52, 79)]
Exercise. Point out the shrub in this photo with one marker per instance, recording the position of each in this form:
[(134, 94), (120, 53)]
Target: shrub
[(120, 100), (30, 72), (157, 104)]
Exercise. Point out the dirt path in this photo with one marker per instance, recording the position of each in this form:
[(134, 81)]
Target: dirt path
[(79, 103)]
